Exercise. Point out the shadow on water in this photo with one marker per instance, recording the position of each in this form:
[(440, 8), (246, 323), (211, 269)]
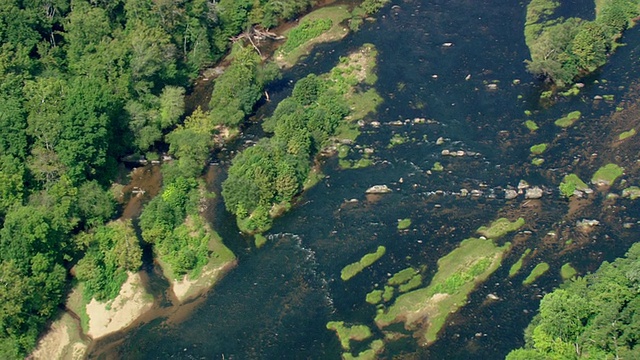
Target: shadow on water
[(276, 303)]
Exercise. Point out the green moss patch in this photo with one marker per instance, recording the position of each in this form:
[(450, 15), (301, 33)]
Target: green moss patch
[(627, 134), (569, 119), (500, 228), (259, 240), (607, 174), (459, 272), (538, 149), (567, 271), (404, 224), (537, 161), (531, 125), (354, 269), (632, 192), (402, 276), (537, 271), (375, 348), (570, 183), (515, 268), (437, 167), (374, 296), (413, 283), (347, 333), (388, 293), (322, 25), (396, 140)]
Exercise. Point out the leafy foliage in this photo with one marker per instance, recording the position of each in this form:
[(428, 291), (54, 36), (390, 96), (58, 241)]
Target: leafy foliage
[(112, 250), (563, 49), (596, 316)]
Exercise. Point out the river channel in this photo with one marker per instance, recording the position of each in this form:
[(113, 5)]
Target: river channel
[(436, 58)]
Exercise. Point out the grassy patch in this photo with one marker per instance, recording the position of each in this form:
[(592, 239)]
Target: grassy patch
[(413, 283), (538, 149), (347, 333), (343, 151), (404, 224), (531, 125), (355, 164), (364, 103), (348, 131), (314, 177), (437, 166), (632, 192), (459, 272), (311, 31), (627, 134), (570, 183), (396, 140), (569, 119), (537, 271), (567, 271), (353, 269), (607, 174), (500, 228), (388, 293), (374, 296), (259, 240), (375, 347), (537, 161), (402, 276), (515, 268)]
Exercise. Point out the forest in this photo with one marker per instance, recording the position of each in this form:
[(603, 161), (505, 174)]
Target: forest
[(83, 84), (592, 317), (565, 49)]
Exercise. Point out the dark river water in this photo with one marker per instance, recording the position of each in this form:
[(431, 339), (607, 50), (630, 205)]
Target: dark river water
[(276, 303)]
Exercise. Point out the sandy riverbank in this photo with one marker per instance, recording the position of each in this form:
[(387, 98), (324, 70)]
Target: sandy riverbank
[(186, 289), (62, 341), (131, 303)]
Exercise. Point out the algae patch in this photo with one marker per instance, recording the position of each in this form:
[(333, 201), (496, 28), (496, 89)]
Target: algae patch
[(569, 119), (354, 269), (567, 271), (347, 333), (607, 174), (404, 223), (537, 271), (500, 228), (515, 268)]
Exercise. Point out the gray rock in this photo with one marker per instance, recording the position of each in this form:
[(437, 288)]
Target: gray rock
[(440, 141), (510, 194), (378, 189), (533, 193), (523, 185)]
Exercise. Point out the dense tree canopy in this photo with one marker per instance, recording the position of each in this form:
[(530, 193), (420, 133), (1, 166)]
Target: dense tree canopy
[(83, 83), (594, 317), (563, 49)]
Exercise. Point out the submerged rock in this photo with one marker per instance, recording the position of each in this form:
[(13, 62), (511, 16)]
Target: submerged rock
[(533, 193), (378, 189)]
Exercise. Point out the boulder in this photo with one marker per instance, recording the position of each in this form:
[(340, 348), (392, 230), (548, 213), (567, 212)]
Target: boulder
[(533, 193), (510, 194), (378, 189)]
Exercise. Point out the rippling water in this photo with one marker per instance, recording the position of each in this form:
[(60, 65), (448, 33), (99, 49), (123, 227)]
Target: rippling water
[(276, 303)]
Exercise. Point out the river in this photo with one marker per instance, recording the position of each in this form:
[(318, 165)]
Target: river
[(436, 59)]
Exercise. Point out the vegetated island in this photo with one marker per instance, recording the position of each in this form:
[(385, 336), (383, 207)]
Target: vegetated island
[(264, 179), (425, 310), (565, 49), (595, 316)]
